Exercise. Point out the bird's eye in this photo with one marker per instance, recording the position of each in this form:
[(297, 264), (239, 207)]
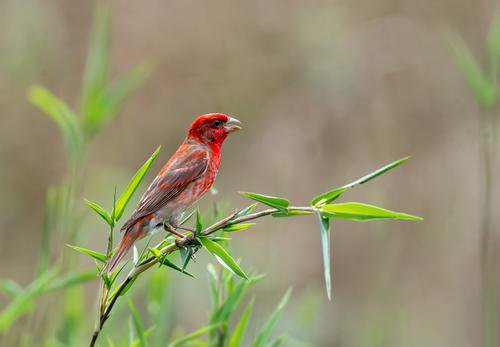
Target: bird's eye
[(217, 122)]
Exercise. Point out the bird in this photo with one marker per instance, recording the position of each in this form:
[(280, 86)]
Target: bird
[(184, 179)]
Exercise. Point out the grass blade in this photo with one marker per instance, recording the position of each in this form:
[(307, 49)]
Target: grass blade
[(265, 333), (364, 212), (139, 329), (123, 200), (100, 211), (273, 201), (241, 326), (193, 336), (222, 256), (334, 194), (96, 255), (324, 225)]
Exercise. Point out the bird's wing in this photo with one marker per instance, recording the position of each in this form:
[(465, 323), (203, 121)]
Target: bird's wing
[(188, 164)]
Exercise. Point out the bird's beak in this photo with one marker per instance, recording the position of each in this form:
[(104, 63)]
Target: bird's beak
[(232, 124)]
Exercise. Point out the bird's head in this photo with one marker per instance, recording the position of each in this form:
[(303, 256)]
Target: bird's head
[(213, 128)]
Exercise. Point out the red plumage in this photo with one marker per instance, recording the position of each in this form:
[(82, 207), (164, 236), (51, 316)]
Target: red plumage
[(185, 178)]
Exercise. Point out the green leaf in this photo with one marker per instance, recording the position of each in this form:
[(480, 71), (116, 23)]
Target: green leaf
[(164, 261), (237, 227), (70, 280), (483, 89), (186, 254), (222, 256), (96, 67), (199, 224), (194, 335), (114, 96), (123, 200), (10, 288), (96, 255), (334, 194), (187, 218), (60, 113), (246, 210), (127, 287), (139, 329), (241, 327), (265, 333), (363, 212), (277, 341), (324, 224), (24, 301), (213, 287), (100, 211), (279, 203), (492, 54)]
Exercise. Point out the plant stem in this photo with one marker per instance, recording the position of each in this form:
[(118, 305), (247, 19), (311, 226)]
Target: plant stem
[(107, 304)]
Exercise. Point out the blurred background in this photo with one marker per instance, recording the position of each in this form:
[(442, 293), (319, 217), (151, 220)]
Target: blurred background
[(327, 91)]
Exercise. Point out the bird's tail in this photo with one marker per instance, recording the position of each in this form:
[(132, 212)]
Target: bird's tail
[(128, 240)]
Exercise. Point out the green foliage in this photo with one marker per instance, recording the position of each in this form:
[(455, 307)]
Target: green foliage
[(265, 333), (222, 256), (324, 228), (132, 186), (100, 211), (333, 194), (139, 329), (96, 255), (239, 330), (362, 212), (279, 203)]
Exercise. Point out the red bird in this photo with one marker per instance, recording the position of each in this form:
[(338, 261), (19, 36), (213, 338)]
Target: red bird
[(185, 178)]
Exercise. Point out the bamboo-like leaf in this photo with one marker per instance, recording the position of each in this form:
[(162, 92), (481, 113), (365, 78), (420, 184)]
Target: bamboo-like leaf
[(324, 227), (288, 213), (10, 288), (186, 253), (59, 112), (363, 212), (492, 55), (113, 96), (237, 227), (194, 335), (273, 201), (199, 224), (265, 332), (23, 302), (96, 255), (162, 259), (334, 194), (241, 326), (123, 200), (222, 256), (246, 210), (139, 329), (70, 280), (96, 68), (100, 211), (483, 89)]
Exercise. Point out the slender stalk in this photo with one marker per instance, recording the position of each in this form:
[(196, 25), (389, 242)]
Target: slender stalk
[(108, 302)]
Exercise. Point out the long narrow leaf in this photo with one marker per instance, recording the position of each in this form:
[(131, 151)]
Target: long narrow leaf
[(194, 335), (483, 89), (96, 255), (364, 212), (100, 211), (241, 326), (139, 329), (334, 194), (273, 201), (222, 256), (96, 69), (70, 280), (123, 200), (23, 302), (265, 333), (324, 227)]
